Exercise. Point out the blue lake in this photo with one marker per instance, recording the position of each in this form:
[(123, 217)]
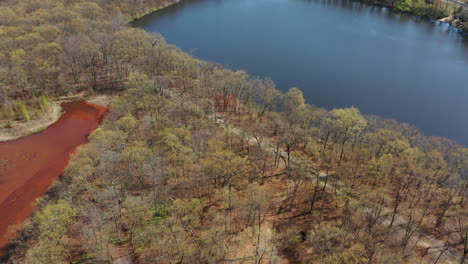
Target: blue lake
[(341, 53)]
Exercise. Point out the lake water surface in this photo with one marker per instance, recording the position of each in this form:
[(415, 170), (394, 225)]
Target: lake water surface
[(341, 53)]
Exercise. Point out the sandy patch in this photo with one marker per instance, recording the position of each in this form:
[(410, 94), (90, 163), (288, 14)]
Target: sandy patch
[(101, 100)]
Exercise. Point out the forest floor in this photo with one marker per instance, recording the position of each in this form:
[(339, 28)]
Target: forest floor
[(434, 248)]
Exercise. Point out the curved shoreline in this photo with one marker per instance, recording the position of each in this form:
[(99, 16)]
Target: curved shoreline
[(31, 164), (449, 20), (152, 10), (20, 128)]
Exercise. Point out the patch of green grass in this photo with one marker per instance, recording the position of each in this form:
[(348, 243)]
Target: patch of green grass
[(44, 104), (37, 130), (114, 240), (160, 212), (85, 258), (24, 111)]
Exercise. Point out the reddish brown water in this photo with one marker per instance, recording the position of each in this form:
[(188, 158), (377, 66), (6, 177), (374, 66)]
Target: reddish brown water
[(29, 165)]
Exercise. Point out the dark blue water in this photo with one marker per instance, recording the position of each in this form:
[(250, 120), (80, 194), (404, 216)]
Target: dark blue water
[(339, 52)]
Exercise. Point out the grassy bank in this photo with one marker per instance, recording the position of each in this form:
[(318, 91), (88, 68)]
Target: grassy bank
[(18, 126), (24, 117)]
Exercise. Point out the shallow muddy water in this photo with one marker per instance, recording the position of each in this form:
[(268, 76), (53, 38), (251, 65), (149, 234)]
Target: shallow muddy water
[(29, 165)]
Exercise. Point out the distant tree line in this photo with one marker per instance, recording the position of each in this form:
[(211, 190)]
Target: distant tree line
[(435, 9)]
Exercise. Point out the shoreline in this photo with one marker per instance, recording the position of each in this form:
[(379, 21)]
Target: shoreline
[(117, 172), (151, 10), (449, 19), (453, 21), (21, 129), (47, 155)]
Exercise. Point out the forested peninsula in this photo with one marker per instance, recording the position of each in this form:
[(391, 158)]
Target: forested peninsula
[(197, 163)]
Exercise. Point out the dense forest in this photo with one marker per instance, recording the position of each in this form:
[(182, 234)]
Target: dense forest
[(196, 163)]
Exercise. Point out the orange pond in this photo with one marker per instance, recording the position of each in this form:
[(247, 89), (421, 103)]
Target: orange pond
[(29, 165)]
